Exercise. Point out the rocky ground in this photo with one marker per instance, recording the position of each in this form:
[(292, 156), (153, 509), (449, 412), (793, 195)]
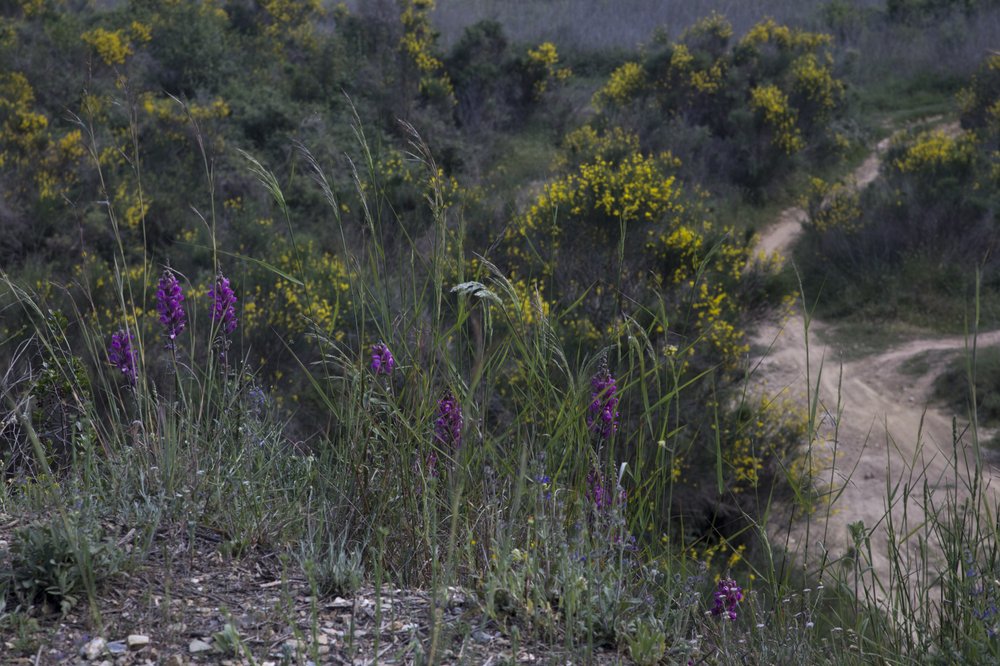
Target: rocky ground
[(187, 604)]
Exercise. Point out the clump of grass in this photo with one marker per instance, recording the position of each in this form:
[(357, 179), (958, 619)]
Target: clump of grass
[(335, 571)]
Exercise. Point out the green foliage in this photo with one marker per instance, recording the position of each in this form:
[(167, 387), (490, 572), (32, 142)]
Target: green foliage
[(62, 411), (496, 87), (955, 388), (335, 570), (59, 559), (979, 100), (771, 95), (646, 644), (24, 631), (921, 11), (228, 641), (914, 242), (577, 571), (911, 244), (188, 47)]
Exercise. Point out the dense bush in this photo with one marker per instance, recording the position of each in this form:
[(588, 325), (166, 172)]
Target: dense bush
[(762, 101), (914, 243), (495, 87)]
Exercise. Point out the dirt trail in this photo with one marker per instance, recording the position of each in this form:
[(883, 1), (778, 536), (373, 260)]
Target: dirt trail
[(780, 236), (877, 421)]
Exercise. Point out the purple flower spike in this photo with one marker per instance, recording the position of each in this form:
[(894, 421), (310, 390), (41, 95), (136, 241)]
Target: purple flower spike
[(168, 303), (596, 492), (601, 494), (223, 304), (727, 596), (448, 425), (382, 360), (123, 356), (602, 414)]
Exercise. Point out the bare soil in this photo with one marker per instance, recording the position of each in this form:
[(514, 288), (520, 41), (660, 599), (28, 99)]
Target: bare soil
[(880, 434)]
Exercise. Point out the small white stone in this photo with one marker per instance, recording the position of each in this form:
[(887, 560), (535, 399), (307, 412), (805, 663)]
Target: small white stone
[(137, 641), (198, 645), (93, 649)]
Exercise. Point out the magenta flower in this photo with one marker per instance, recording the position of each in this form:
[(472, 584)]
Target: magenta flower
[(602, 414), (600, 492), (727, 596), (223, 304), (122, 355), (382, 361), (169, 298), (448, 425)]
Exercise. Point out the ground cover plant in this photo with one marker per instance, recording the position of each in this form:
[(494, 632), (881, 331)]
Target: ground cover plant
[(289, 378)]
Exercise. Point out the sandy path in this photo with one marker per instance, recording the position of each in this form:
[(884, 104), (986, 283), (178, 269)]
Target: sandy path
[(876, 421), (780, 236)]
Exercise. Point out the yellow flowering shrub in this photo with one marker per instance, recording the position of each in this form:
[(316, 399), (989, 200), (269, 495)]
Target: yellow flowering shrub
[(33, 7), (531, 304), (815, 85), (623, 85), (417, 44), (545, 58), (769, 32), (168, 122), (936, 151), (936, 197), (141, 32), (596, 198), (982, 93), (290, 21), (30, 145), (572, 232), (685, 72), (772, 104), (22, 129), (586, 144), (763, 429), (113, 46), (284, 306), (166, 108), (833, 206), (710, 34), (980, 104), (131, 205), (720, 95)]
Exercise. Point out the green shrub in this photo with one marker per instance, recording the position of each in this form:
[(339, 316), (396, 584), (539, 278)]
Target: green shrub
[(954, 387), (58, 560), (915, 242), (772, 95)]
